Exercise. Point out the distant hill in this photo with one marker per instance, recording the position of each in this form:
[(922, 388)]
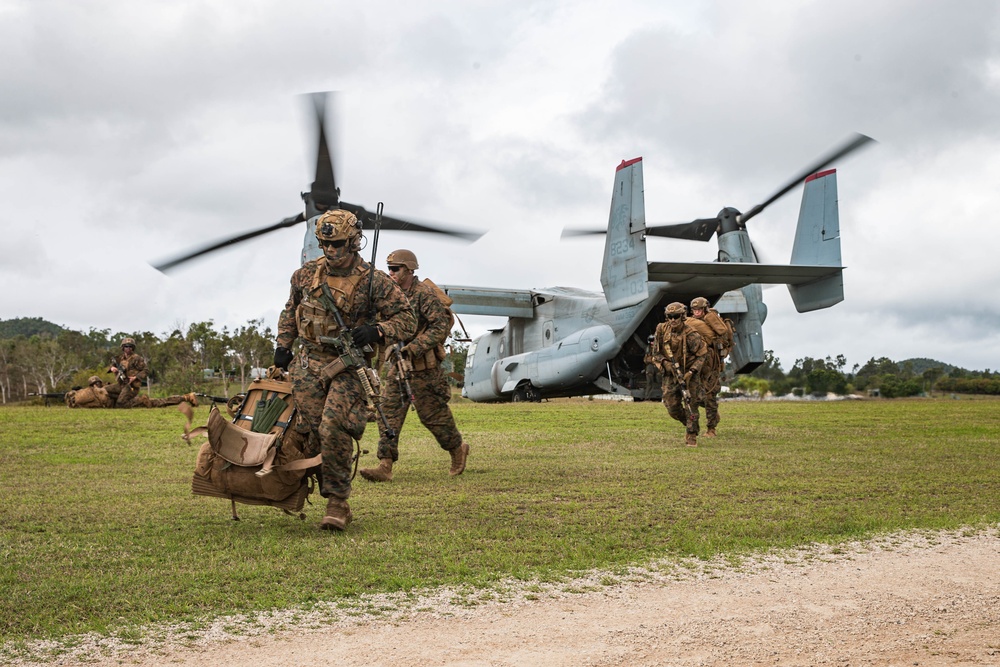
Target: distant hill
[(920, 364), (28, 327)]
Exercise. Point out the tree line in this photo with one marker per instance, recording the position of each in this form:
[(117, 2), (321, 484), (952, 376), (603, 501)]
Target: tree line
[(38, 357), (883, 377)]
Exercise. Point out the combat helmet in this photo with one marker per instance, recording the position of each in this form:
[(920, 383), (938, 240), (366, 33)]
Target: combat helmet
[(675, 309), (699, 302), (128, 342), (336, 225), (402, 258)]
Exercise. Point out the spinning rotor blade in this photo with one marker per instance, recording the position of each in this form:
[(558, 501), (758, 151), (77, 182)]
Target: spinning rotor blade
[(697, 230), (704, 228), (324, 189), (324, 195), (398, 224), (569, 233), (287, 222), (851, 145)]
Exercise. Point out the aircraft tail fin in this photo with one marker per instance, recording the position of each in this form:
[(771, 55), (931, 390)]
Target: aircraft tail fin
[(817, 243), (624, 275)]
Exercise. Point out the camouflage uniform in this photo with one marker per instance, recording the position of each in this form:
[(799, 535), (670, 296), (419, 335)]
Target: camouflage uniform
[(332, 413), (652, 374), (124, 395), (711, 328), (689, 351), (428, 382)]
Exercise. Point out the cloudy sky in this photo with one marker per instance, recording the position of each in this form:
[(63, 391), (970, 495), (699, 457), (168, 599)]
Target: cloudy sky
[(131, 131)]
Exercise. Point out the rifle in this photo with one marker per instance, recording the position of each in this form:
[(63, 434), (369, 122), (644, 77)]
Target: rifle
[(47, 397), (219, 399), (59, 395), (404, 367), (352, 358), (121, 376), (679, 377)]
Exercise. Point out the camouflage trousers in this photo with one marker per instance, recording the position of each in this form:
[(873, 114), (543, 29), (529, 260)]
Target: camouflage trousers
[(124, 396), (331, 415), (652, 376), (711, 384), (673, 400), (432, 393)]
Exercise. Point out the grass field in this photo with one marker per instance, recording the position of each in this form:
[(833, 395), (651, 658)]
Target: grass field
[(99, 531)]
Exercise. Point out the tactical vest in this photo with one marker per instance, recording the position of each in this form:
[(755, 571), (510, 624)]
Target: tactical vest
[(433, 358), (132, 366), (312, 317), (673, 348)]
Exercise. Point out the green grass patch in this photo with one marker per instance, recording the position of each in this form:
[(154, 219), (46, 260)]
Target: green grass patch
[(99, 531)]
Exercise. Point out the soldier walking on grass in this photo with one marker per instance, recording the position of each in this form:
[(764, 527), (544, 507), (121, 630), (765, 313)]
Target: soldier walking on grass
[(415, 376), (719, 340), (679, 351), (332, 298)]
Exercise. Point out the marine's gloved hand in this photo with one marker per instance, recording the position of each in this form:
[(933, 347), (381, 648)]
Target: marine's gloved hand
[(687, 377), (366, 334), (408, 352), (282, 357)]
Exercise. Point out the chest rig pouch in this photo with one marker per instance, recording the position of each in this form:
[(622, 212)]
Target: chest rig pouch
[(313, 318)]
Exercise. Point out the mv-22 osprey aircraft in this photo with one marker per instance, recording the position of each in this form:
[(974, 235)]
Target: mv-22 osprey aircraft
[(563, 341)]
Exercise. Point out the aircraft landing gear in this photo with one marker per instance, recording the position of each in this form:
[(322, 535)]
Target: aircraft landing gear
[(526, 393)]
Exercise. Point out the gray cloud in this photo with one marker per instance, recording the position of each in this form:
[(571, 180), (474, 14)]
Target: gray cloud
[(153, 127)]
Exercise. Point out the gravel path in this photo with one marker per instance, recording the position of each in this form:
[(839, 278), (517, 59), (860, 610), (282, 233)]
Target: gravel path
[(905, 599)]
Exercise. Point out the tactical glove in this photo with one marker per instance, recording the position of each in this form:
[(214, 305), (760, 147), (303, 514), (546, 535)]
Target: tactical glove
[(366, 334), (282, 357)]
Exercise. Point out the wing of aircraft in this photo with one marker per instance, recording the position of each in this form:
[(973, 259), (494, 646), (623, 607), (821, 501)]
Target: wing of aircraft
[(719, 277), (490, 301)]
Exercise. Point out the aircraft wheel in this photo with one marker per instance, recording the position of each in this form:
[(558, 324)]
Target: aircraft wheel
[(519, 395)]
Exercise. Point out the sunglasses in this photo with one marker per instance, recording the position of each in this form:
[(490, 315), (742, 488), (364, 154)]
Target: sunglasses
[(334, 244), (674, 317), (393, 269)]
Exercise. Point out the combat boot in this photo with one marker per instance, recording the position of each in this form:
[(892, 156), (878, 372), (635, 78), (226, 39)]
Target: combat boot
[(458, 457), (691, 440), (338, 515), (191, 398), (380, 473), (710, 433)]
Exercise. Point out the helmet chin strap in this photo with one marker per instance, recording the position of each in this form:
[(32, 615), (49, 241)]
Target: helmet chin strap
[(335, 256)]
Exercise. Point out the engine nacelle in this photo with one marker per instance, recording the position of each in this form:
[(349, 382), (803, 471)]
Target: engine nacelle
[(575, 360)]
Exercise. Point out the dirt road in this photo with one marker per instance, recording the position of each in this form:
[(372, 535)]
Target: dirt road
[(913, 599)]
